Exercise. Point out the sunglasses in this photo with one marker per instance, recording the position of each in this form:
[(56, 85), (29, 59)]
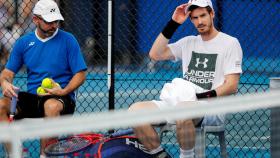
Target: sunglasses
[(48, 23)]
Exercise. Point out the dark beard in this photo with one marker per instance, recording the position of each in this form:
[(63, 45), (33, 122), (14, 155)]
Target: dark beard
[(47, 33), (209, 30)]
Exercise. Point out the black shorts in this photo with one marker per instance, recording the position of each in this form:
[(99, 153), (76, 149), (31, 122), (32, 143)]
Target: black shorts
[(32, 106)]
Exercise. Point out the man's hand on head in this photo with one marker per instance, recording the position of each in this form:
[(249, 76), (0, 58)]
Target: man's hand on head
[(181, 14)]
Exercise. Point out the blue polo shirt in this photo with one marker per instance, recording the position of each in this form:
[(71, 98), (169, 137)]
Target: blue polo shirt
[(58, 57)]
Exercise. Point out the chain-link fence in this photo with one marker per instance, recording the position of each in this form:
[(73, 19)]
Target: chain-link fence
[(136, 24)]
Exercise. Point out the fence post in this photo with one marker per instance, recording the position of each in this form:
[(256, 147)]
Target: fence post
[(275, 121)]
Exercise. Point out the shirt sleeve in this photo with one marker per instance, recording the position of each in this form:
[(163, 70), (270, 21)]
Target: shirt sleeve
[(176, 48), (76, 60), (15, 60), (233, 59)]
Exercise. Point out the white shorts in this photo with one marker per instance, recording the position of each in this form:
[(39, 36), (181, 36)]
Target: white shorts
[(208, 120)]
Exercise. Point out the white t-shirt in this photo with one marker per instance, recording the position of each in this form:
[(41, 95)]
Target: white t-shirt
[(205, 63)]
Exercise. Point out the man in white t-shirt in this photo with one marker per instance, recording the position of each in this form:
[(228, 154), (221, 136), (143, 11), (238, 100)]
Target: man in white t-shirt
[(211, 63)]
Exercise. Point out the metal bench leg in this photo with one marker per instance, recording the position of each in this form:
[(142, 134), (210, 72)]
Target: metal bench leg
[(200, 139), (199, 143), (200, 146), (222, 142)]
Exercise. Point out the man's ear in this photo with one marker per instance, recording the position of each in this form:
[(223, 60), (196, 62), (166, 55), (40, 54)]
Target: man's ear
[(190, 17), (212, 13), (35, 20)]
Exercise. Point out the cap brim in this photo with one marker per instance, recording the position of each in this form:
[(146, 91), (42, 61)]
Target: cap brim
[(196, 5), (52, 17)]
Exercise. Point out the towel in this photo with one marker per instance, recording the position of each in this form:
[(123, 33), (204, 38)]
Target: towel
[(179, 90)]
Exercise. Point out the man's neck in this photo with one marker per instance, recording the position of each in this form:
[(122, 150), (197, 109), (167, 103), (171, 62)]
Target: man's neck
[(210, 35), (45, 38), (40, 34)]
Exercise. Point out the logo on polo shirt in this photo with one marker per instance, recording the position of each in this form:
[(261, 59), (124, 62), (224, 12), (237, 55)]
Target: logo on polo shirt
[(31, 43)]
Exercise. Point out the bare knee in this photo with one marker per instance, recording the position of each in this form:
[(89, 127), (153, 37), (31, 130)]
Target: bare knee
[(52, 108), (4, 108), (183, 124), (136, 106), (142, 106)]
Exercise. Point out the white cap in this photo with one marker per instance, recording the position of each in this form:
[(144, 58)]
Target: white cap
[(200, 3), (48, 9)]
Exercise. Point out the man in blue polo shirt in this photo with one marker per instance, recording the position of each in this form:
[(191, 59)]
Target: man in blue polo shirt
[(46, 52)]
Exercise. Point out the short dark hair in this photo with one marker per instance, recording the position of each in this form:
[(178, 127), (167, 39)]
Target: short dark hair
[(193, 7)]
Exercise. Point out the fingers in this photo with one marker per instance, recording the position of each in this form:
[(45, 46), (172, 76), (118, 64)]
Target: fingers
[(14, 91), (181, 8), (7, 94), (184, 7), (54, 91), (181, 14), (46, 92), (10, 90)]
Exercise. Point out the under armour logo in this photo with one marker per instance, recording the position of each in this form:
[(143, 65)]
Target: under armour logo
[(204, 62), (52, 10), (31, 43)]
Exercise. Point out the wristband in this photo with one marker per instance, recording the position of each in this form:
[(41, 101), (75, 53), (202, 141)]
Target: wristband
[(170, 29), (208, 94)]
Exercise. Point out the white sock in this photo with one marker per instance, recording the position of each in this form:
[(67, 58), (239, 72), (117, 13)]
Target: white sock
[(42, 156), (156, 150), (187, 153)]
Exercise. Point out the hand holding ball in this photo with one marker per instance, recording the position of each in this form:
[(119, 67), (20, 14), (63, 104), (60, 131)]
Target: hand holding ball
[(47, 83)]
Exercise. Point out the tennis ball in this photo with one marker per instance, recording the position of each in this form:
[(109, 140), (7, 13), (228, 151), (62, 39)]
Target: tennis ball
[(47, 83), (40, 90)]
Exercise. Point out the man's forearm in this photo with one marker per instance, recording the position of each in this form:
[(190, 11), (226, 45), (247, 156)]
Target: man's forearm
[(76, 81), (6, 76), (158, 48), (7, 79), (230, 85)]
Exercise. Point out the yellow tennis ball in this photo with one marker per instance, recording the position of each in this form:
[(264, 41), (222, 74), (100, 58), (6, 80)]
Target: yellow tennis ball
[(40, 90), (47, 83)]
